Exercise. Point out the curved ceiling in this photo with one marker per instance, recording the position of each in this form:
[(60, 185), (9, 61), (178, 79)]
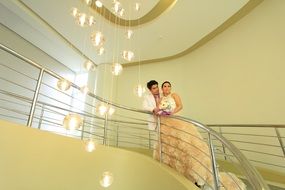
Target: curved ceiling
[(131, 18), (163, 29)]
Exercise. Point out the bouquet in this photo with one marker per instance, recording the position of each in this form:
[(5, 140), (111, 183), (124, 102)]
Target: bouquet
[(165, 106)]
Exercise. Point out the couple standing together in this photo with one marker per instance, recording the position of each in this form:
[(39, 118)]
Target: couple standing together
[(182, 146), (166, 103)]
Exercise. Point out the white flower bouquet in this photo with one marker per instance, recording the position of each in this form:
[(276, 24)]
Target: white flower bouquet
[(165, 107)]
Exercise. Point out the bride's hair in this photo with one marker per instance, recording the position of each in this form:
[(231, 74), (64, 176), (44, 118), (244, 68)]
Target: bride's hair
[(166, 82)]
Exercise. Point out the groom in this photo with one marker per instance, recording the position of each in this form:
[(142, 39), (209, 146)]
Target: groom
[(150, 103)]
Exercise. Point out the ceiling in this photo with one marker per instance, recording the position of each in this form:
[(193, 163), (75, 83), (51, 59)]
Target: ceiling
[(162, 28)]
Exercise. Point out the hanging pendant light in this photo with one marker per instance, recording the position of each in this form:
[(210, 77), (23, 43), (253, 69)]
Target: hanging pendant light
[(72, 121), (111, 111), (101, 51), (117, 69), (102, 109), (84, 90), (74, 12), (128, 55), (89, 66), (88, 2), (106, 179), (98, 3), (129, 33), (137, 6), (63, 84), (139, 90), (97, 39), (117, 7), (90, 145)]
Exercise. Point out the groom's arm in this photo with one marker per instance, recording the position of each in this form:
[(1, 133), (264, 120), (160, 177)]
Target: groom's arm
[(147, 104)]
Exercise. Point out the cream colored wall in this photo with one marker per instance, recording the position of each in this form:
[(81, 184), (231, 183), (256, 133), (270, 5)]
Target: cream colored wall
[(33, 159), (237, 77), (20, 45)]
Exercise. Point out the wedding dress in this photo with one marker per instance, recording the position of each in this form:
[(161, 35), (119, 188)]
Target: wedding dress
[(184, 150)]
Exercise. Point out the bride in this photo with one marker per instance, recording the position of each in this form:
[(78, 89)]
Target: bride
[(183, 147)]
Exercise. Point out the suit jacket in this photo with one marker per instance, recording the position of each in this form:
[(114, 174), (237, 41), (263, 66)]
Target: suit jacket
[(149, 104)]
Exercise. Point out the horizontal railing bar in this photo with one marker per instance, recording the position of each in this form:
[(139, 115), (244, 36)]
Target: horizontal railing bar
[(136, 119), (247, 134), (14, 117), (265, 163), (247, 150), (278, 146), (249, 125), (132, 143), (280, 156), (29, 89), (72, 97), (16, 111), (10, 68), (15, 103)]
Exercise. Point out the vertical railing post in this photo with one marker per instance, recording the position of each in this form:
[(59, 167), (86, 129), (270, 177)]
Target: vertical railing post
[(159, 138), (280, 141), (214, 164), (35, 98), (117, 141), (149, 140), (41, 116), (223, 146), (105, 127), (82, 130)]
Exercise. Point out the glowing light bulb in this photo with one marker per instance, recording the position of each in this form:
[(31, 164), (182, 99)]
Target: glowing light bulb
[(91, 21), (89, 66), (84, 90), (129, 34), (117, 6), (63, 84), (106, 179), (97, 39), (111, 111), (72, 121), (90, 146), (128, 55), (101, 51), (74, 12), (117, 68), (88, 2), (98, 3), (121, 12), (139, 90), (82, 19), (137, 6), (102, 109)]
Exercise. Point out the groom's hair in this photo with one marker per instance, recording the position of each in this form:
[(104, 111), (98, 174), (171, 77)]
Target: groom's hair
[(151, 83)]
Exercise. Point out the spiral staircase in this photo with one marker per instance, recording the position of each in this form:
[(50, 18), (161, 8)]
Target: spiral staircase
[(33, 157)]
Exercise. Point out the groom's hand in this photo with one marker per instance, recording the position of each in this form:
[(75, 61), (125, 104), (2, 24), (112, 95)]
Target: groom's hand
[(155, 110)]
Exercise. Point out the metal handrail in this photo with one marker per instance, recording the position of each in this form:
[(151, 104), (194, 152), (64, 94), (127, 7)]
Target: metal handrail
[(276, 128), (250, 172)]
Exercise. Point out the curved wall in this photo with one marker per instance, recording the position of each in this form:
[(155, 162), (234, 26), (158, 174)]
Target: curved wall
[(33, 159)]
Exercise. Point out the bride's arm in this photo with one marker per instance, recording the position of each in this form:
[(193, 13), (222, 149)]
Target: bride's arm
[(178, 103)]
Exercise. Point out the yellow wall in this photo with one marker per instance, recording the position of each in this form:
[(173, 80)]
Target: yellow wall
[(32, 159), (238, 77)]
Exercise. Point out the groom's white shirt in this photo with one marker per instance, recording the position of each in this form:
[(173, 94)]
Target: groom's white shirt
[(149, 104)]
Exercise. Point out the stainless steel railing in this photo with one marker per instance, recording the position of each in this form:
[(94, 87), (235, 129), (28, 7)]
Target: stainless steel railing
[(264, 143), (45, 112)]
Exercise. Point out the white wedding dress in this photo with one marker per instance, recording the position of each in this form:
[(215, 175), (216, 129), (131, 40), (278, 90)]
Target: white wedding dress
[(184, 149)]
